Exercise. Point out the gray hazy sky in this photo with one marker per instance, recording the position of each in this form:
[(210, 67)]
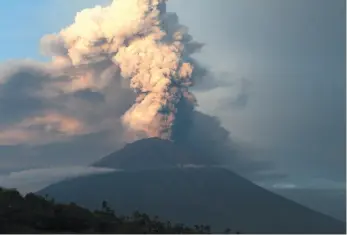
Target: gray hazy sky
[(290, 53), (293, 53)]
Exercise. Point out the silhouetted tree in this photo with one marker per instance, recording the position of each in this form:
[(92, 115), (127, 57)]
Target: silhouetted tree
[(36, 214)]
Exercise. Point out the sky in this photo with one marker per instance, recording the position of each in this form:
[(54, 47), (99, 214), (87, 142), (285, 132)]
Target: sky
[(283, 63)]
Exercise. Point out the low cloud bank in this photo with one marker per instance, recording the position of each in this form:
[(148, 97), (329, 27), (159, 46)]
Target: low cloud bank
[(34, 179)]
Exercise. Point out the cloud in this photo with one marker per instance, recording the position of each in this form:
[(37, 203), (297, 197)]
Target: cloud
[(290, 182), (234, 92), (41, 129), (90, 85), (33, 179), (294, 106), (53, 109), (284, 186), (322, 183), (191, 166), (41, 103)]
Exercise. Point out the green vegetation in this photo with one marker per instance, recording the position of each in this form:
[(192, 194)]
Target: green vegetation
[(35, 214)]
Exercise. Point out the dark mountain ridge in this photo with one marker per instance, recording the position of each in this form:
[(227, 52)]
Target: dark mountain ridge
[(153, 153), (153, 183)]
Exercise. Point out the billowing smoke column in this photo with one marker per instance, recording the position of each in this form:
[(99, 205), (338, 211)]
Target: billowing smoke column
[(150, 48)]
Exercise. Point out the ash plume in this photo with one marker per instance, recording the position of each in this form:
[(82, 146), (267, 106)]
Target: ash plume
[(118, 73), (136, 40)]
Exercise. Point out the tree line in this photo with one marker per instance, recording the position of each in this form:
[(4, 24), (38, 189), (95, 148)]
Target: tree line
[(36, 214)]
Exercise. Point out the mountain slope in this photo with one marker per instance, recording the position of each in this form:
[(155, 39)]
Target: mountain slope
[(212, 196), (331, 202), (152, 153)]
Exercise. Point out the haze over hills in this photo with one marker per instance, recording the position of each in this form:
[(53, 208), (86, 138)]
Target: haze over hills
[(152, 182), (331, 202)]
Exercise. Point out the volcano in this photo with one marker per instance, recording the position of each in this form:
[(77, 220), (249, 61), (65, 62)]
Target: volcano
[(162, 179), (153, 153)]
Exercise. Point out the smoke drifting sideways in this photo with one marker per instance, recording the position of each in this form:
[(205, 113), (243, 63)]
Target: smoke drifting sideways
[(125, 68), (145, 45)]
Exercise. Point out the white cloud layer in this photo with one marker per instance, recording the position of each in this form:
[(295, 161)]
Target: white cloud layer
[(35, 179)]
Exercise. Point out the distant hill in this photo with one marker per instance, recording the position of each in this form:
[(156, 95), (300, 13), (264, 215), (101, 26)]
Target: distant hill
[(152, 182)]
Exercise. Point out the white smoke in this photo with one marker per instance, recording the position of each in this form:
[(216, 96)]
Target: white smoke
[(118, 73), (139, 41)]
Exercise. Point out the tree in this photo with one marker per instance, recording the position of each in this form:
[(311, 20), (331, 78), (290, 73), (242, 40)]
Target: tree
[(36, 214)]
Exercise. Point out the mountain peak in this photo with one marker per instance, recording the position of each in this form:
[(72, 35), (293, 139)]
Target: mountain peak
[(152, 153)]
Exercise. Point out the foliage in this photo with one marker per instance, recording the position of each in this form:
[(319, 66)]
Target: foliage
[(35, 214)]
